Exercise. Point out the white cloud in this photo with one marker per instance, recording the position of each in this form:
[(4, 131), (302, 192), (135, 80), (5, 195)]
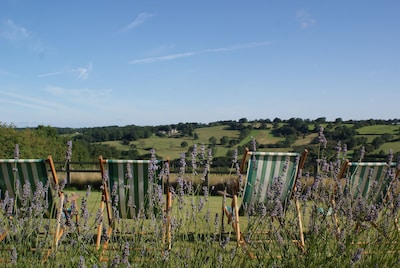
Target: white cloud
[(27, 101), (51, 74), (13, 32), (194, 53), (305, 19), (164, 58), (140, 19), (82, 72)]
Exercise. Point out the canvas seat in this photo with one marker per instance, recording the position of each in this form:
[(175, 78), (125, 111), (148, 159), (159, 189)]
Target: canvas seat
[(26, 181), (263, 169), (133, 182), (369, 183)]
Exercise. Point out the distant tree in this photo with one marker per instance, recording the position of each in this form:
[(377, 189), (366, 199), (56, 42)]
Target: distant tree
[(338, 120), (263, 126), (377, 142), (224, 140), (244, 133), (233, 142), (243, 120), (184, 144), (277, 120), (321, 120), (212, 140)]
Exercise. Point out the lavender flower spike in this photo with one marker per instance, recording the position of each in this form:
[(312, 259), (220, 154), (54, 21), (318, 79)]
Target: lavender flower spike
[(16, 152)]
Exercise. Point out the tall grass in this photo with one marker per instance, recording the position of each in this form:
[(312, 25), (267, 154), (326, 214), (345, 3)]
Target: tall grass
[(369, 234)]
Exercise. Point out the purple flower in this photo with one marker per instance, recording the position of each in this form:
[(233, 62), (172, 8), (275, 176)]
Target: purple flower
[(194, 157), (68, 154), (16, 152), (344, 150), (253, 144), (125, 255), (389, 158), (362, 153), (356, 256), (321, 137)]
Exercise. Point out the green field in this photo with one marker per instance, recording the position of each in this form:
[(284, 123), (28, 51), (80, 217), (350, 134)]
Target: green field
[(170, 147), (379, 130)]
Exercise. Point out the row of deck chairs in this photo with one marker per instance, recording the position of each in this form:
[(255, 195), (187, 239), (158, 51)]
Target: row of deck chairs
[(133, 180)]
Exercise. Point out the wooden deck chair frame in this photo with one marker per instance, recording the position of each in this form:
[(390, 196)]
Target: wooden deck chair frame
[(233, 216), (368, 172), (106, 203), (33, 171)]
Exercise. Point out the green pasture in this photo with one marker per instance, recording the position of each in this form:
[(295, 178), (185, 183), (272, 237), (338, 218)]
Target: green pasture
[(395, 146), (379, 130), (170, 147)]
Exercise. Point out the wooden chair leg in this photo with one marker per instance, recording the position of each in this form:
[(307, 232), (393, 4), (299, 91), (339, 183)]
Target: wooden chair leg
[(302, 243), (57, 233)]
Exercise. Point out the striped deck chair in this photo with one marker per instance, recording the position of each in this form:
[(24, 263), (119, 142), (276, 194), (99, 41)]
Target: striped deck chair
[(15, 173), (369, 181), (364, 176), (132, 182), (263, 168)]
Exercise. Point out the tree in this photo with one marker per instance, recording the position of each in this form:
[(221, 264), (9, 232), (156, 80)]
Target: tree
[(212, 140), (184, 144), (224, 140)]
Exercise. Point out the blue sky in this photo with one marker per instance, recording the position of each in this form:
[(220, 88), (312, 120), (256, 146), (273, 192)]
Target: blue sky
[(101, 63)]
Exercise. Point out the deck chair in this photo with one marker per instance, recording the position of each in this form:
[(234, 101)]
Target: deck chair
[(133, 194), (262, 169), (15, 173), (370, 181)]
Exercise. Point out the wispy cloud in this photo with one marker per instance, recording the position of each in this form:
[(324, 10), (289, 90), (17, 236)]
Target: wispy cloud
[(305, 19), (164, 58), (194, 53), (85, 94), (140, 19), (18, 34), (12, 31), (52, 74), (81, 72), (28, 101)]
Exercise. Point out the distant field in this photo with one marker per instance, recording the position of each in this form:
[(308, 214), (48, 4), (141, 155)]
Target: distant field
[(169, 147), (306, 140), (395, 146), (379, 130)]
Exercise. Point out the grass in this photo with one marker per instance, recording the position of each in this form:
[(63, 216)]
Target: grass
[(379, 129), (170, 147), (197, 239)]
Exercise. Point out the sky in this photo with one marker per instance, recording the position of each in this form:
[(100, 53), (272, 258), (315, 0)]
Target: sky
[(146, 63)]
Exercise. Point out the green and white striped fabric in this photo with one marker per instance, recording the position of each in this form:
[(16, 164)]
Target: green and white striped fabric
[(363, 176), (130, 181), (262, 170), (17, 172)]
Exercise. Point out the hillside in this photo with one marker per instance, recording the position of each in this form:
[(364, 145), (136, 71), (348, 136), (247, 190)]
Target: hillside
[(223, 137)]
